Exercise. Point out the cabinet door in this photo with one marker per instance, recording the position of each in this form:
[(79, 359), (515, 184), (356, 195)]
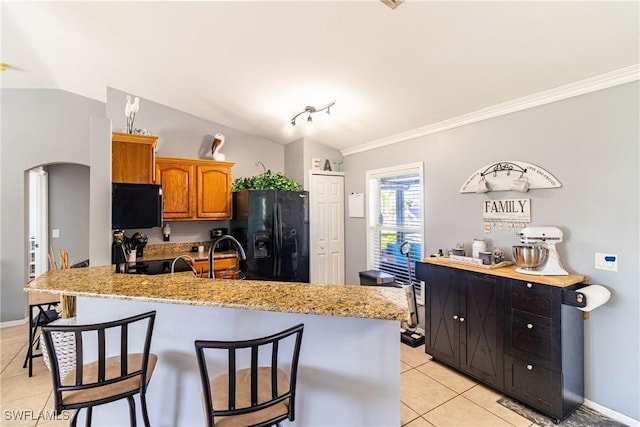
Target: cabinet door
[(481, 352), (132, 158), (226, 268), (178, 188), (214, 192), (442, 320)]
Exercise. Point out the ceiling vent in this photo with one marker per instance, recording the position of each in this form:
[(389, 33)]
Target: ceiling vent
[(392, 3)]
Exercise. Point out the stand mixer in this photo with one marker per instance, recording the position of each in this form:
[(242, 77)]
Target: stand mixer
[(537, 238)]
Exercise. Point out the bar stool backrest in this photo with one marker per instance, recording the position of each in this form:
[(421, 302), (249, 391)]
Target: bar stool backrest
[(109, 378), (262, 387)]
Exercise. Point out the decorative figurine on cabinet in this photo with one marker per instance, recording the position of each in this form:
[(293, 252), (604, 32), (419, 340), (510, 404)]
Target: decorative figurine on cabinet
[(216, 145)]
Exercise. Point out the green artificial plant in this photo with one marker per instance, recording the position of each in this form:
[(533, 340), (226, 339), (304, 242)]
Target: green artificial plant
[(266, 181)]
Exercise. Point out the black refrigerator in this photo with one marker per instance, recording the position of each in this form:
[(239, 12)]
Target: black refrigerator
[(273, 228)]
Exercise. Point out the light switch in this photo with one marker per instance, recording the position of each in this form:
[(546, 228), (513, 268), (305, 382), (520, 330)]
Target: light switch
[(608, 262), (55, 233)]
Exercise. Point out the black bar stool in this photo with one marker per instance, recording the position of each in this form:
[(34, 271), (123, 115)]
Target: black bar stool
[(111, 377), (42, 311), (257, 395)]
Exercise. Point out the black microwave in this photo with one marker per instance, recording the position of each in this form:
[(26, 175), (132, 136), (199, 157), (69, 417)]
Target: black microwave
[(135, 206)]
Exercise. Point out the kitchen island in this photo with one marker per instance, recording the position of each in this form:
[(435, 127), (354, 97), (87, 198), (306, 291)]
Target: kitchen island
[(349, 372)]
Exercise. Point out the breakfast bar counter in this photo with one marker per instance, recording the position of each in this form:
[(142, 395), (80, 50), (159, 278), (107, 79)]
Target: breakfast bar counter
[(386, 303), (349, 372)]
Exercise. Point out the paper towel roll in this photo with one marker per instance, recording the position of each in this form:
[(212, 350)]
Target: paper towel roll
[(597, 295)]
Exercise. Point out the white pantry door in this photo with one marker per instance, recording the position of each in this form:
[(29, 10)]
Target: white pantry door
[(326, 225)]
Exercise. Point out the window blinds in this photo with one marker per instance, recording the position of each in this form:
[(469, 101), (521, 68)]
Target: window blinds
[(394, 216)]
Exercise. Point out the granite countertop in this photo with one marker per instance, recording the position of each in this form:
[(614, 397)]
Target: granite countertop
[(184, 288), (511, 273)]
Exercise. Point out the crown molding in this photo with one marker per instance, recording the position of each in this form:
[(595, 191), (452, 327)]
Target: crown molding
[(581, 87)]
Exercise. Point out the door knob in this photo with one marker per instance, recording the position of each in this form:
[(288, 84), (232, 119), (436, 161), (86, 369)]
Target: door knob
[(462, 319), (530, 367), (529, 285), (455, 317), (529, 326)]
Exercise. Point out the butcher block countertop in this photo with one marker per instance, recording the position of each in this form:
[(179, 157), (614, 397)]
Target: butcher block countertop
[(511, 273), (373, 302)]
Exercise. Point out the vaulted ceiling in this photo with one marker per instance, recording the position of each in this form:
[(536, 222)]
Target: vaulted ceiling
[(253, 65)]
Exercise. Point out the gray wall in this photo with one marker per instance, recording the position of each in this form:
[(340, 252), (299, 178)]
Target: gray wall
[(184, 135), (294, 166), (590, 143), (39, 127), (314, 149), (298, 155), (69, 210)]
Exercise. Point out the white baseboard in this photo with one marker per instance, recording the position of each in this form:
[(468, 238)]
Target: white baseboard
[(11, 323), (612, 414)]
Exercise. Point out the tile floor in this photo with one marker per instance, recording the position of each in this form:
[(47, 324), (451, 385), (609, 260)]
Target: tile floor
[(432, 394), (435, 395)]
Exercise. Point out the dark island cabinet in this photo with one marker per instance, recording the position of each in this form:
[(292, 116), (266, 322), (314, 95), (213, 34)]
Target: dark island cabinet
[(544, 346), (462, 321), (516, 336)]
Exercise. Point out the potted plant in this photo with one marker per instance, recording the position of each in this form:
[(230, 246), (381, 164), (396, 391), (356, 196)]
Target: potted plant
[(267, 180)]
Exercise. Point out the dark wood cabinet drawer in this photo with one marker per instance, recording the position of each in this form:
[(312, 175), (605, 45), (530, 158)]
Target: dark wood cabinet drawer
[(535, 385), (532, 334), (531, 297)]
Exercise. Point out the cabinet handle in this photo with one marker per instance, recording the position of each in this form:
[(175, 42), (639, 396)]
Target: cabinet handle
[(455, 317), (529, 285), (462, 319), (530, 367), (530, 325)]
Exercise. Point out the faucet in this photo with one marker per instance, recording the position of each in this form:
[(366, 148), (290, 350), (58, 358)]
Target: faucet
[(241, 254), (173, 264)]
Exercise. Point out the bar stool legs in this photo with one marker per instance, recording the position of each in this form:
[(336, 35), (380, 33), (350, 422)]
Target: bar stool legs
[(46, 314)]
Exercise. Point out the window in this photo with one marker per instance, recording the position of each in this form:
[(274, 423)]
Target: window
[(394, 216)]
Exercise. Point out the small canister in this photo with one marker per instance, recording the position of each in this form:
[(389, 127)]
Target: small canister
[(478, 246), (486, 258)]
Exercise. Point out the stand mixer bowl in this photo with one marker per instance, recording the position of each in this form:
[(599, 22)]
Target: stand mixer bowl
[(529, 257)]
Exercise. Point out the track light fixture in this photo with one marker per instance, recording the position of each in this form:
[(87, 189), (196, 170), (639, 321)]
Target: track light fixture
[(312, 110)]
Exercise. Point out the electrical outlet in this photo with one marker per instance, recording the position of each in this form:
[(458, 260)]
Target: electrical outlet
[(607, 262), (55, 233)]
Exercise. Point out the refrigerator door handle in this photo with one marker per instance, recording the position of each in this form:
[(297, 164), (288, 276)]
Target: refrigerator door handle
[(279, 237), (276, 241), (274, 237)]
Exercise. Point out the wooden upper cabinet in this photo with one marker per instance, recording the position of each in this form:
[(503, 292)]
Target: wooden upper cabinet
[(195, 189), (178, 187), (214, 191), (132, 157)]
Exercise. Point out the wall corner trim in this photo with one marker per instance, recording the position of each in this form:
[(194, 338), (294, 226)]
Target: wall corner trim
[(581, 87)]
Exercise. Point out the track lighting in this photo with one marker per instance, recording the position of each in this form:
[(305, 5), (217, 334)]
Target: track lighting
[(312, 110)]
